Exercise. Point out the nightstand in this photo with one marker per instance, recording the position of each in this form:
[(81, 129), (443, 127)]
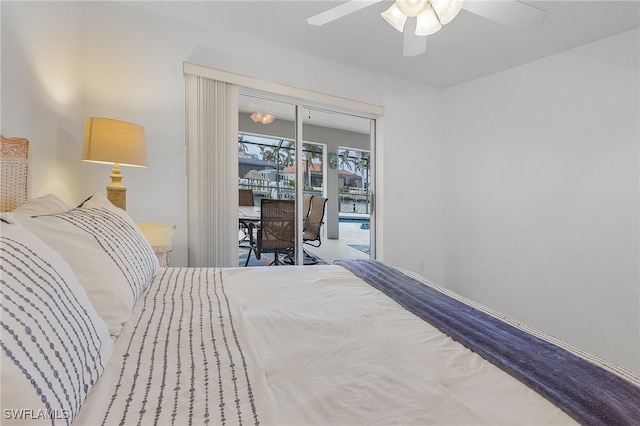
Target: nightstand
[(160, 237)]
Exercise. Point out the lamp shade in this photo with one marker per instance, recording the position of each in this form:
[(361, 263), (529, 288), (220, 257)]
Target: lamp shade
[(114, 141)]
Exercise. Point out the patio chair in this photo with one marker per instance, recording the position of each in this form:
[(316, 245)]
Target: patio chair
[(315, 220), (245, 198), (306, 205), (277, 232)]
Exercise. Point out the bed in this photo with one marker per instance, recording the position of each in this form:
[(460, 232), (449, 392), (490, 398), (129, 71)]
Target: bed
[(95, 332)]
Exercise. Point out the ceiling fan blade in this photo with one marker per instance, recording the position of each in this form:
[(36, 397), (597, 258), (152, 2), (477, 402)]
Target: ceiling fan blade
[(340, 11), (413, 45), (511, 13)]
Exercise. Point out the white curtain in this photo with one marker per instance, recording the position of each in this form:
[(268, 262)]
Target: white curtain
[(212, 144)]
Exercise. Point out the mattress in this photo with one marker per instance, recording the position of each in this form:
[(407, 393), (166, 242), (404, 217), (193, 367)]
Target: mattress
[(295, 345), (95, 332)]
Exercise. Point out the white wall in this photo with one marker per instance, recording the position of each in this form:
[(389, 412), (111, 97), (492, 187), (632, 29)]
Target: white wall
[(530, 176), (541, 181), (412, 206), (42, 91), (128, 64)]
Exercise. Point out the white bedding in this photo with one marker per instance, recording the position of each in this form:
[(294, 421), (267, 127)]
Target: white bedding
[(93, 333), (314, 345)]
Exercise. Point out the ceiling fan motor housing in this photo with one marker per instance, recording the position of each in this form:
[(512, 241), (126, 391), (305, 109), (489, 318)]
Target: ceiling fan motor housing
[(412, 8), (431, 14)]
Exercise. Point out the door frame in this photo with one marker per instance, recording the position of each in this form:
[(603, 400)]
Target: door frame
[(302, 98)]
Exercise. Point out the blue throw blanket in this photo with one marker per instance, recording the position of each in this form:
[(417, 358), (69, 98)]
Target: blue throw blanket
[(587, 392)]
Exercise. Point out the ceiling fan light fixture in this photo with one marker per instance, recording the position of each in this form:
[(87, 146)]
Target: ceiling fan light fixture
[(261, 118), (395, 17), (446, 9), (427, 22), (412, 8)]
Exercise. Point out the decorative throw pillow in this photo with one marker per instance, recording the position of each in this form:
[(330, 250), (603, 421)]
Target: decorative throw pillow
[(106, 250), (54, 344), (46, 204)]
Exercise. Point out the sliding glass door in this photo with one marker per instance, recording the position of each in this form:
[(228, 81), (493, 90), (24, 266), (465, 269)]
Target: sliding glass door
[(345, 233), (316, 160), (267, 169), (218, 109)]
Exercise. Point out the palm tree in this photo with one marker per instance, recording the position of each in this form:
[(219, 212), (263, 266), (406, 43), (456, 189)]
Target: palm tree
[(361, 163), (267, 153), (285, 153), (357, 162), (345, 160), (283, 157), (242, 147), (311, 152)]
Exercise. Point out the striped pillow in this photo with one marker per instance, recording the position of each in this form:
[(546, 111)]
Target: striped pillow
[(106, 250), (54, 344)]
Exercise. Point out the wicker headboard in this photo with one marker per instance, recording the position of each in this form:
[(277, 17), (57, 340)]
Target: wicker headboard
[(15, 161)]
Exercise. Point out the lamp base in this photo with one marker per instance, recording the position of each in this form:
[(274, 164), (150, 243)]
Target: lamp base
[(117, 196), (116, 191)]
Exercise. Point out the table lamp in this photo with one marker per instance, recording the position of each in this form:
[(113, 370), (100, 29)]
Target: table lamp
[(116, 142)]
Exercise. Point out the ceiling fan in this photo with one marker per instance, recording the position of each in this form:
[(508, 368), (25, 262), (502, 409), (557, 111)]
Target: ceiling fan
[(431, 15)]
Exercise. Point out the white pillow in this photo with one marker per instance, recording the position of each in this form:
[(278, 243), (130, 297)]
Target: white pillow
[(106, 250), (46, 204), (54, 343)]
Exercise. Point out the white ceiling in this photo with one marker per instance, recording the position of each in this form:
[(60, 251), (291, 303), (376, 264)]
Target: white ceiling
[(466, 49)]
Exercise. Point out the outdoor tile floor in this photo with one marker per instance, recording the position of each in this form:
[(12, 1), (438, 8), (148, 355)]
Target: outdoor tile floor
[(330, 250), (350, 233)]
